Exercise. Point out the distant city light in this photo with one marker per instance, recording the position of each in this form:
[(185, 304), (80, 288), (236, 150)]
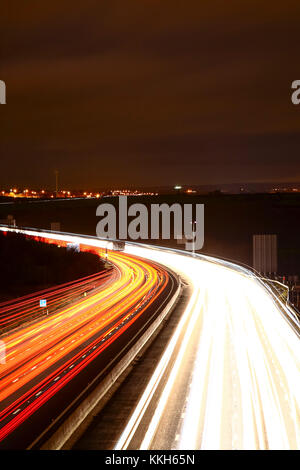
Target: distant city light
[(14, 192)]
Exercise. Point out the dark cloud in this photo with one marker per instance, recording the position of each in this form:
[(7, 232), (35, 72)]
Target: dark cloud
[(149, 92)]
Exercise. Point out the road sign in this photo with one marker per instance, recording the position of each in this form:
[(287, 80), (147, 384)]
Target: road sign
[(43, 303)]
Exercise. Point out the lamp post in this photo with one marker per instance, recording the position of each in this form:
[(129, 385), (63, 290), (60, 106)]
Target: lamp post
[(193, 232), (56, 183)]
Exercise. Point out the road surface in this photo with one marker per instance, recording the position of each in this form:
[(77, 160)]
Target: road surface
[(229, 377), (43, 356)]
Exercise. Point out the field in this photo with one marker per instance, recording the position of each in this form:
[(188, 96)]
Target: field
[(230, 221)]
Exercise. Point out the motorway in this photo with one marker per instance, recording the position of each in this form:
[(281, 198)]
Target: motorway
[(14, 313), (45, 355), (227, 379)]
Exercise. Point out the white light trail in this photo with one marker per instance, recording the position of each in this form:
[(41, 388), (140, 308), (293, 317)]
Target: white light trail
[(243, 390)]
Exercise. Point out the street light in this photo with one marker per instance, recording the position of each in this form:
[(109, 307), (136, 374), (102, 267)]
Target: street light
[(193, 233)]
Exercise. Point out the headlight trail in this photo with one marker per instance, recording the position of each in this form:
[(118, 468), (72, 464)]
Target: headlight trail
[(229, 378)]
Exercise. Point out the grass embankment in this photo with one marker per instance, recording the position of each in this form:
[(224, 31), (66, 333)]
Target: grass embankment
[(27, 265)]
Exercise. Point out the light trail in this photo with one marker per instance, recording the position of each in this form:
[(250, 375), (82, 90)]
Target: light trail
[(43, 356), (15, 312), (229, 378)]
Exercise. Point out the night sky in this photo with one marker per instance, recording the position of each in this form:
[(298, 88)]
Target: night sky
[(144, 92)]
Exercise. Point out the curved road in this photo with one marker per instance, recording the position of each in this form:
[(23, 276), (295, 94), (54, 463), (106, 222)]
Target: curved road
[(228, 379), (44, 356)]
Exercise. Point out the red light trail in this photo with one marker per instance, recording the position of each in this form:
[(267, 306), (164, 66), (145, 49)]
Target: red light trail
[(44, 355)]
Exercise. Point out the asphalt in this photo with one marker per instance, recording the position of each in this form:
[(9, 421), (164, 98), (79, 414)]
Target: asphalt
[(107, 425)]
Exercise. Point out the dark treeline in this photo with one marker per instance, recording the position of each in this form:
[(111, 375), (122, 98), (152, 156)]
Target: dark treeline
[(27, 265)]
